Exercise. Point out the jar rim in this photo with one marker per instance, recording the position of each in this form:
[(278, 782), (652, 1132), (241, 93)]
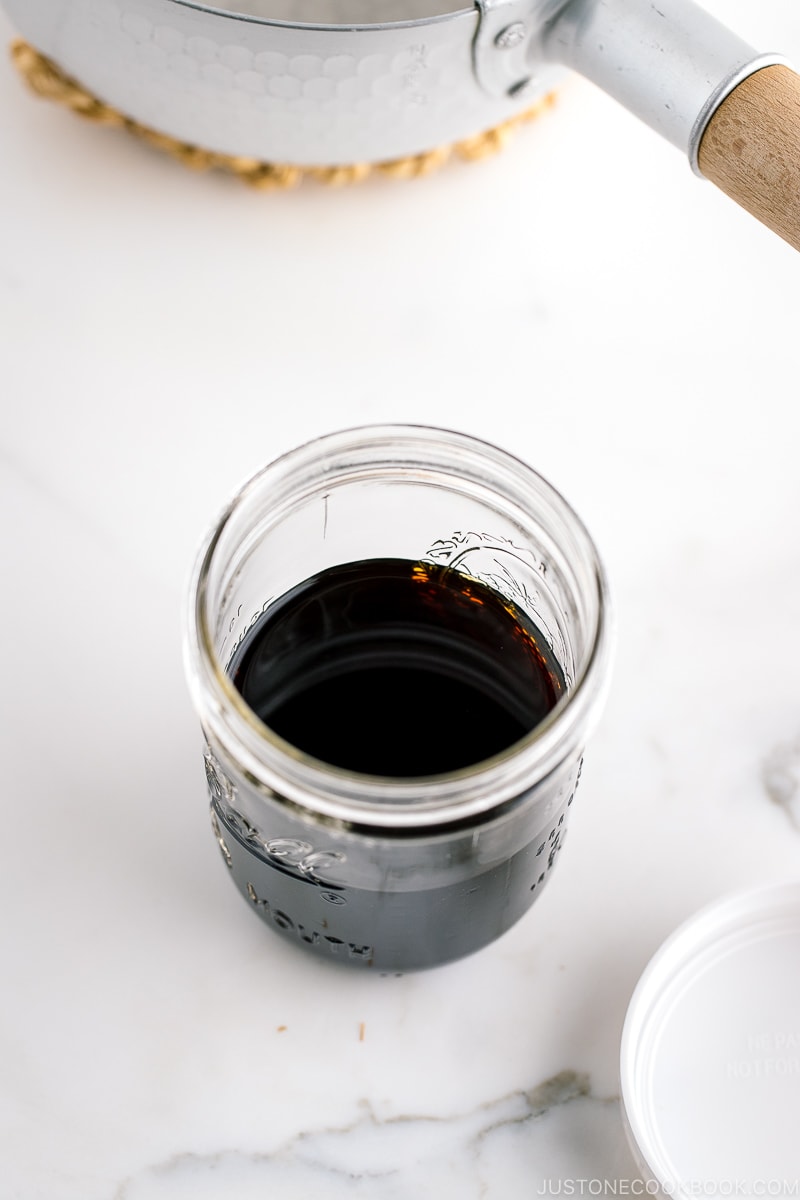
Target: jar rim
[(353, 798)]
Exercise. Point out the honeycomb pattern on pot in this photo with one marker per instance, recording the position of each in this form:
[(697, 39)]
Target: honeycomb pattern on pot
[(269, 79)]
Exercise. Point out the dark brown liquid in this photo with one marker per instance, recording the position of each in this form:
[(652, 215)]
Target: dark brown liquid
[(394, 668)]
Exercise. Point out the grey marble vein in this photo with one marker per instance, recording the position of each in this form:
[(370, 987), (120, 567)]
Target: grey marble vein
[(780, 774), (497, 1149)]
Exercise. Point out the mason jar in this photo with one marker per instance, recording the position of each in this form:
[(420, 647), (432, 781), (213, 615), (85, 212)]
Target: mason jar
[(394, 873)]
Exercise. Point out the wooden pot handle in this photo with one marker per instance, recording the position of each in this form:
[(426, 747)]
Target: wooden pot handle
[(751, 149)]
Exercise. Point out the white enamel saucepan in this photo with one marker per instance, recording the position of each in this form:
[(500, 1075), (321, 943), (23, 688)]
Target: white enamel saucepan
[(329, 82)]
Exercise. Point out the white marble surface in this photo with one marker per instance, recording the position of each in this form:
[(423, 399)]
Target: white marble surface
[(581, 299)]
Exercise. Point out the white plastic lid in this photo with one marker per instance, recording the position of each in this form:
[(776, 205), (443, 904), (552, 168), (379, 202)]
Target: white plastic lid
[(710, 1066)]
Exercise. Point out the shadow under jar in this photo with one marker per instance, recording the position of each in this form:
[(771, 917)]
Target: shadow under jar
[(397, 644)]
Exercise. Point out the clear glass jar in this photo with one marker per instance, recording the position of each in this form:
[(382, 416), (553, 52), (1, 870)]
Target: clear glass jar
[(394, 874)]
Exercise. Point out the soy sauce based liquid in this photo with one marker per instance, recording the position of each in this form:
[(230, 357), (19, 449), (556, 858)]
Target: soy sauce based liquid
[(394, 668)]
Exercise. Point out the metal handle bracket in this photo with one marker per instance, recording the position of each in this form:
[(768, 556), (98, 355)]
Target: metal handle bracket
[(502, 50)]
